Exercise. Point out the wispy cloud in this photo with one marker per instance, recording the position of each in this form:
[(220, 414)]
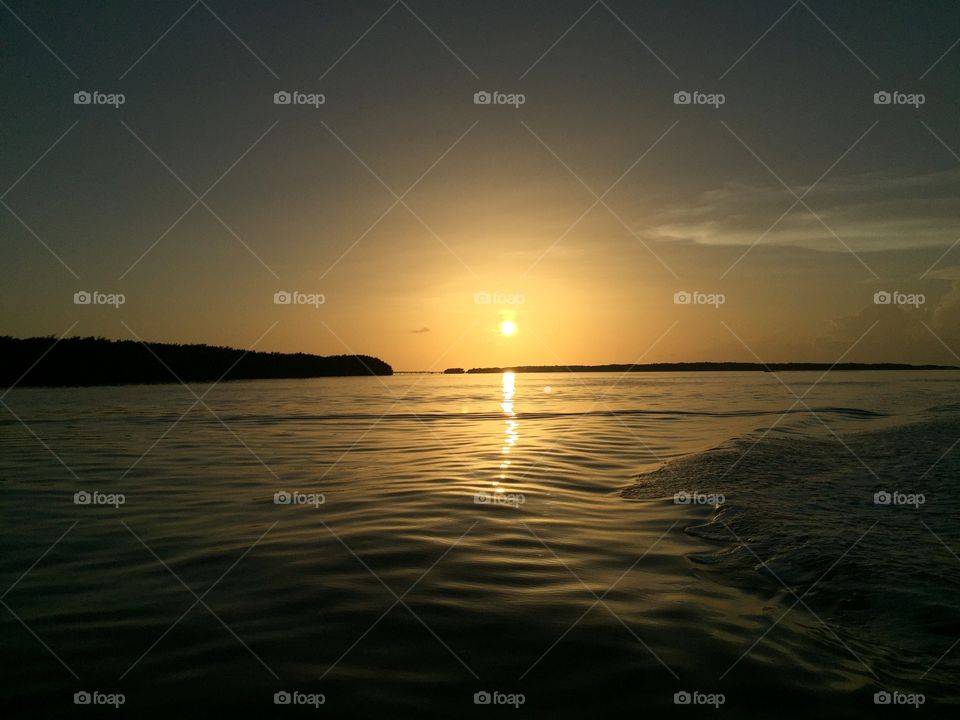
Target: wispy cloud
[(870, 212)]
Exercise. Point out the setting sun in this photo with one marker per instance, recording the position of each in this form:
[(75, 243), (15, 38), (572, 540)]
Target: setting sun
[(508, 327)]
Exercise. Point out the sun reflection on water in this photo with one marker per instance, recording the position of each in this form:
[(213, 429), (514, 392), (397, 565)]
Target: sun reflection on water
[(511, 426)]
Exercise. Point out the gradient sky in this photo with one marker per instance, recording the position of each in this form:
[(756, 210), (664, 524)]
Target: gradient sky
[(504, 200)]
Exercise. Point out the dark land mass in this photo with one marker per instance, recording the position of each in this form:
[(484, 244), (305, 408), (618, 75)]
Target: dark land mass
[(44, 361), (713, 366)]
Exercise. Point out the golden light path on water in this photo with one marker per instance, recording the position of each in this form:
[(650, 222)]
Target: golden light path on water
[(508, 389)]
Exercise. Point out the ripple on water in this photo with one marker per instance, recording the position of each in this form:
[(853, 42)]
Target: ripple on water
[(310, 593)]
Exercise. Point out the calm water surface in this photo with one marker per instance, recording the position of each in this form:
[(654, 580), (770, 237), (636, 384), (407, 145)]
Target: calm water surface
[(517, 534)]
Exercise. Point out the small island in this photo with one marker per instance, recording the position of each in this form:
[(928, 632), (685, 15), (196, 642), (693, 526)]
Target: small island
[(81, 361), (454, 371)]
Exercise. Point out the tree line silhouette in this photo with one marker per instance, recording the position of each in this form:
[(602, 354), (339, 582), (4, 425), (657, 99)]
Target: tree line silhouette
[(712, 366), (44, 361)]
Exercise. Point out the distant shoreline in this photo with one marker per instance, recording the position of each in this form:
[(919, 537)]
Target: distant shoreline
[(701, 367), (84, 362)]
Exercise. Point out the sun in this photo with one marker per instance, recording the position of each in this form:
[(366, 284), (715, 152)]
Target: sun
[(508, 328)]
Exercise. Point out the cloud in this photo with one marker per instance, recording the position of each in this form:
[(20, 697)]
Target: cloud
[(868, 212), (926, 334), (421, 331), (947, 273)]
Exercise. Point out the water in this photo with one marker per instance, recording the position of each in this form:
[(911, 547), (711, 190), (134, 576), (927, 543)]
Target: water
[(507, 533)]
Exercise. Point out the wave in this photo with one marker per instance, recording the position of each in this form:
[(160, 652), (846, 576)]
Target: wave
[(842, 412), (861, 526)]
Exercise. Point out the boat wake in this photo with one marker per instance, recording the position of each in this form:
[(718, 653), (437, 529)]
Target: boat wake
[(858, 530)]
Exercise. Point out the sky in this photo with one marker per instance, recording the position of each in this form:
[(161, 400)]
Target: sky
[(782, 215)]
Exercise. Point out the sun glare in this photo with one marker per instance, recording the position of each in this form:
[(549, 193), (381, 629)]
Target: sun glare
[(508, 328)]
